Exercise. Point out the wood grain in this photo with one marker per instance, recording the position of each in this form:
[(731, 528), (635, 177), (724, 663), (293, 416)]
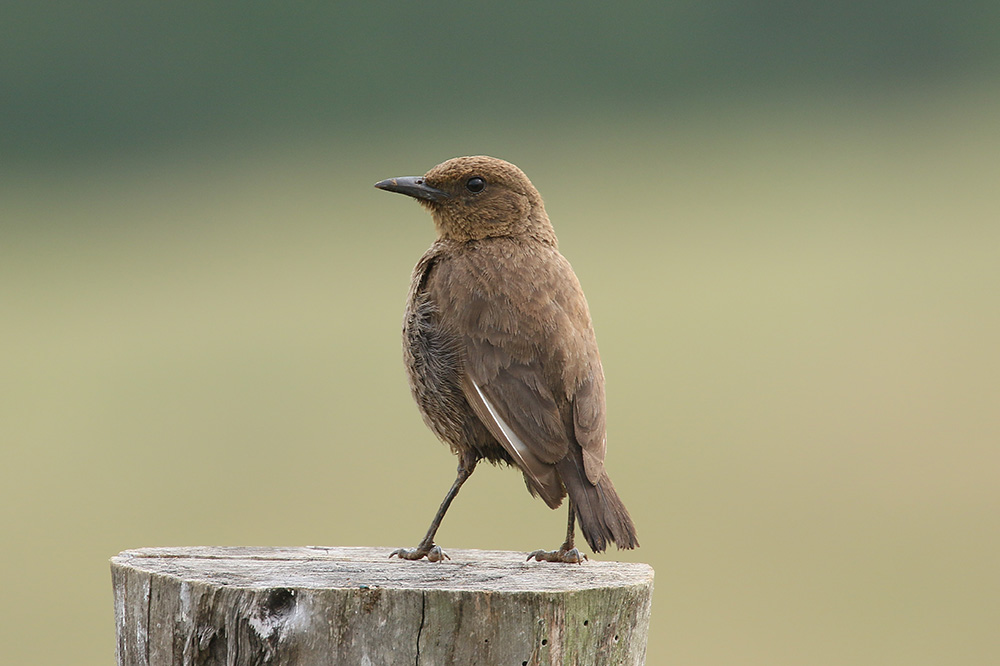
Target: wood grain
[(311, 605)]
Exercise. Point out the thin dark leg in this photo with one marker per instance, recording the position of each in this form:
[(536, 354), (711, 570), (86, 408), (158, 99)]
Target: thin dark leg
[(567, 552), (570, 528), (426, 548)]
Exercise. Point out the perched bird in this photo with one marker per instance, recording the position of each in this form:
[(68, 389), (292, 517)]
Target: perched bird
[(500, 350)]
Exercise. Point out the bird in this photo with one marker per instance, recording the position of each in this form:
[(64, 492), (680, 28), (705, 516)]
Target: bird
[(500, 351)]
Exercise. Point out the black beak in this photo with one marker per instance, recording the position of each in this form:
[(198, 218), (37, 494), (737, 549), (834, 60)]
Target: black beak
[(412, 186)]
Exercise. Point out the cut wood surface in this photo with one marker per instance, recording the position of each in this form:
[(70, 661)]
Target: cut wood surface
[(316, 605)]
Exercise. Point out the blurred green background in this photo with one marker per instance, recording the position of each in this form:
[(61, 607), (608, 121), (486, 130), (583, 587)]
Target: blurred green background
[(785, 216)]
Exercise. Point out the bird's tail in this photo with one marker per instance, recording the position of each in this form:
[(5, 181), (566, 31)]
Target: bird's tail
[(599, 510)]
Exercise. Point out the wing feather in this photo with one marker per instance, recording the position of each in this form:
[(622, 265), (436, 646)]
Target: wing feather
[(541, 476)]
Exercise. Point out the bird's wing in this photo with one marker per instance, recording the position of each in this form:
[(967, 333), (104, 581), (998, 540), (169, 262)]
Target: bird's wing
[(589, 424), (528, 407), (532, 372), (525, 420), (542, 476), (535, 411)]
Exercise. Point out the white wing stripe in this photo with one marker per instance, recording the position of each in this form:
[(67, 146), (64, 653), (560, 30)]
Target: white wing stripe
[(519, 447)]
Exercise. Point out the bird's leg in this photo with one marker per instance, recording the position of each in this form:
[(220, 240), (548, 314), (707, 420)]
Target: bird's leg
[(426, 548), (567, 552)]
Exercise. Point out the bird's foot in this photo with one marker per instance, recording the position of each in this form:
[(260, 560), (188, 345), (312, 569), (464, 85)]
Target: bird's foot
[(570, 556), (433, 554)]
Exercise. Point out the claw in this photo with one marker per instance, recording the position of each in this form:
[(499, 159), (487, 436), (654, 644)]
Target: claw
[(433, 554), (571, 556)]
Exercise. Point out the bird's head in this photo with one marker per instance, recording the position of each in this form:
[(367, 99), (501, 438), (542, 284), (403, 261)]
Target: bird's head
[(471, 198)]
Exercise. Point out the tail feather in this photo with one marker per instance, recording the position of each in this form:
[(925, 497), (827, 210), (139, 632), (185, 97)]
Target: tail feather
[(602, 516)]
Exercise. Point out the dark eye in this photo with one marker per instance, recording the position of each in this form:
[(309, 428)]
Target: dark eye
[(475, 184)]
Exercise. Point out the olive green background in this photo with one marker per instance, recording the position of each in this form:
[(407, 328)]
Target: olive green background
[(785, 217)]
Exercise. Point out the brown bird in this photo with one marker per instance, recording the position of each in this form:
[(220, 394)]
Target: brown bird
[(501, 353)]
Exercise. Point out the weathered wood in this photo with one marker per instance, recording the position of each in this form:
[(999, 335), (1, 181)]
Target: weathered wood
[(241, 606)]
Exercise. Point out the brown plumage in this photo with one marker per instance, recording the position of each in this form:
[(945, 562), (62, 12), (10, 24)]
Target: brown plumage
[(500, 350)]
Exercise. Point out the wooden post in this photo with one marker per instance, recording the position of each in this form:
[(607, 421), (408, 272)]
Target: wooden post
[(304, 606)]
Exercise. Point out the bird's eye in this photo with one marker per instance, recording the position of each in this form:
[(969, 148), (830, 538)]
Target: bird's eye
[(475, 184)]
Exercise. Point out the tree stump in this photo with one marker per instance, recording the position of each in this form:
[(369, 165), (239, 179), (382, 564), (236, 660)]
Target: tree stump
[(241, 606)]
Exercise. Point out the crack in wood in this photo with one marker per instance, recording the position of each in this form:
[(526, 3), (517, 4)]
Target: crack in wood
[(420, 629)]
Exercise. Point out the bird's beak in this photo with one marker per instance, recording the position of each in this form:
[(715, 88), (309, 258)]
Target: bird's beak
[(412, 186)]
